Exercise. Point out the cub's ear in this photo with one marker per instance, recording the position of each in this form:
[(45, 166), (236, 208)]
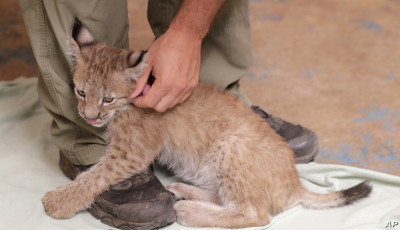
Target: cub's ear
[(136, 64), (81, 34), (79, 38)]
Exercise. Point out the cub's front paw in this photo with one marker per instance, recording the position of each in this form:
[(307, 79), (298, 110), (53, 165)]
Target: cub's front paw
[(186, 213), (176, 190), (57, 204)]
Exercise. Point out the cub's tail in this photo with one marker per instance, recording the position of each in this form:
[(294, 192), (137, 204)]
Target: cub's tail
[(335, 199)]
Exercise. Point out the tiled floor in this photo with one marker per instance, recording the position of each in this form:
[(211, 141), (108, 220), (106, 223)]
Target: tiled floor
[(332, 66)]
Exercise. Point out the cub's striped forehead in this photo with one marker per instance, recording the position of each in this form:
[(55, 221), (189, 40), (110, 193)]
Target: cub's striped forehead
[(104, 58)]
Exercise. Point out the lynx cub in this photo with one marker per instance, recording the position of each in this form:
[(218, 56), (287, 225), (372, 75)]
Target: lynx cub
[(241, 173)]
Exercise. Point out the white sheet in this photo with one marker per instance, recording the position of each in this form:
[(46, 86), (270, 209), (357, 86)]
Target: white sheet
[(28, 169)]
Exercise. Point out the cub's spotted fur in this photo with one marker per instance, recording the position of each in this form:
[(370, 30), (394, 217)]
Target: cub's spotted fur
[(241, 172)]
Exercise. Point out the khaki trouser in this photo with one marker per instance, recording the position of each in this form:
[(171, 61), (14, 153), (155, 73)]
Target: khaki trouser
[(226, 57)]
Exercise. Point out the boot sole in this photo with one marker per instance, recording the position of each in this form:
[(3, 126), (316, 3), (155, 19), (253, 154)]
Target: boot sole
[(110, 220)]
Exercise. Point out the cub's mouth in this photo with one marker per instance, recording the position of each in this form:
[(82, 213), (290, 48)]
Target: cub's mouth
[(98, 122), (93, 122)]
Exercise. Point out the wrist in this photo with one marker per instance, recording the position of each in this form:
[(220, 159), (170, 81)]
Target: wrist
[(194, 17), (184, 36), (187, 31)]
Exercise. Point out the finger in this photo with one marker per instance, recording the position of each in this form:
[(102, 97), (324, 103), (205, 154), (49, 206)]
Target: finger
[(152, 97), (178, 99), (184, 97), (146, 89), (171, 98), (186, 94), (141, 82), (164, 104), (179, 94)]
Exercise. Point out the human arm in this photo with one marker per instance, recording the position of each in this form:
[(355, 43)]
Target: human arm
[(174, 58)]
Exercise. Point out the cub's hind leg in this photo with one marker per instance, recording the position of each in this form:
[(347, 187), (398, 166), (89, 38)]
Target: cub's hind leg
[(190, 192), (206, 214)]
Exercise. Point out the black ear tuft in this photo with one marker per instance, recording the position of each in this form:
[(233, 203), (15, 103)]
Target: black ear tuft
[(81, 34), (76, 28)]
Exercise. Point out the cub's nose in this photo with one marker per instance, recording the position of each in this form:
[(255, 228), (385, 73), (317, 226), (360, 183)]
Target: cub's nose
[(89, 116)]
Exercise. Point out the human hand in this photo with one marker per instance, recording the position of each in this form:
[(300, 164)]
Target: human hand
[(174, 61)]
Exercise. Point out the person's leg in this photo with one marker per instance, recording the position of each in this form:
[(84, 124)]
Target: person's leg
[(49, 24), (226, 58)]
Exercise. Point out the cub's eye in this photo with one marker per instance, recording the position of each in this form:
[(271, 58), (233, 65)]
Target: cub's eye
[(108, 99), (80, 93)]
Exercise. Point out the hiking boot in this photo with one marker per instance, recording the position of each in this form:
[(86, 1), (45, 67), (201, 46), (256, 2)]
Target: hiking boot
[(303, 141), (140, 202)]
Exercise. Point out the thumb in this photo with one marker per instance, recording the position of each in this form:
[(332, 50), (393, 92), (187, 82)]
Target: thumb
[(141, 82)]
